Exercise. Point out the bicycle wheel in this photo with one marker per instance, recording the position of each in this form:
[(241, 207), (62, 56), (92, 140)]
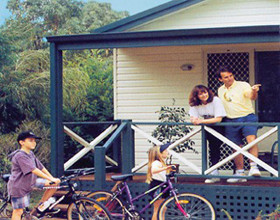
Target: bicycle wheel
[(114, 205), (5, 208), (197, 207), (86, 208), (27, 216)]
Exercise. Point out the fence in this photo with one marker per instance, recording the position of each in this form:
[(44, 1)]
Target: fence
[(121, 142)]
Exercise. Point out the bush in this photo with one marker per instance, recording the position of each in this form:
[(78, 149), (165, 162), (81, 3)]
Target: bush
[(171, 133), (8, 143)]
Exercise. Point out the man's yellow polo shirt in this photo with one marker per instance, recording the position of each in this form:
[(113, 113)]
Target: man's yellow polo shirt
[(235, 101)]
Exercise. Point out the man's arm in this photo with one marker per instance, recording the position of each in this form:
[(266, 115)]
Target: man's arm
[(254, 92)]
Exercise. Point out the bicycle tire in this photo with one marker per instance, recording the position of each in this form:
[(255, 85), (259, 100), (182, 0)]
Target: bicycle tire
[(114, 205), (28, 217), (195, 205), (5, 208), (87, 208)]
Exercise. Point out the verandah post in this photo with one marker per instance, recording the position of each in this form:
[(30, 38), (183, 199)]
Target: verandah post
[(127, 148), (203, 150), (100, 167), (57, 135), (117, 149)]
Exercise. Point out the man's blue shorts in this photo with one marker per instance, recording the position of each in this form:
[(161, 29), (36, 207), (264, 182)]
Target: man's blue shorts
[(238, 132)]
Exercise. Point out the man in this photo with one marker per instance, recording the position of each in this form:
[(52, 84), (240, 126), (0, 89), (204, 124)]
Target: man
[(237, 97)]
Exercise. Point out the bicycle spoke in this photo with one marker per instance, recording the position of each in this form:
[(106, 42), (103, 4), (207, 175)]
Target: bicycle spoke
[(196, 207), (87, 209), (113, 204)]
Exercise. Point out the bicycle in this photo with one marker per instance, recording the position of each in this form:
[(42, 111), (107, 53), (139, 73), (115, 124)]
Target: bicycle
[(79, 207), (176, 206)]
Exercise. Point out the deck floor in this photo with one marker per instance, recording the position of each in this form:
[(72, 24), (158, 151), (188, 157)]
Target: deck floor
[(195, 180)]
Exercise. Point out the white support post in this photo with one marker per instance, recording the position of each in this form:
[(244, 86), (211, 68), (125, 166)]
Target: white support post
[(243, 150), (88, 146)]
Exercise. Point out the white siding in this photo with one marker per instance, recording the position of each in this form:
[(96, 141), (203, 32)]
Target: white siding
[(218, 13), (147, 78)]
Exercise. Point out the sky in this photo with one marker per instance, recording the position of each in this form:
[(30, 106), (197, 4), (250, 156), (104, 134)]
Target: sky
[(132, 6)]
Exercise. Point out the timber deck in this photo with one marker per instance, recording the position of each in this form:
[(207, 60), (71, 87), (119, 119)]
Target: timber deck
[(258, 181)]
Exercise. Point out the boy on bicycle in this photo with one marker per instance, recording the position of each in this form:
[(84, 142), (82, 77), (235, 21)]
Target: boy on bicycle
[(25, 170)]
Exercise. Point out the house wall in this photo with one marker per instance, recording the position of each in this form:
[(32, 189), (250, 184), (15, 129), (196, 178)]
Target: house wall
[(145, 79), (218, 13)]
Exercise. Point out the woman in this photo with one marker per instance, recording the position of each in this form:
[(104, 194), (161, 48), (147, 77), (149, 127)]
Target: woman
[(208, 109)]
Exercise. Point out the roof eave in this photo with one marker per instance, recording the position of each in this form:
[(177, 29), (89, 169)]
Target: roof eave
[(169, 37)]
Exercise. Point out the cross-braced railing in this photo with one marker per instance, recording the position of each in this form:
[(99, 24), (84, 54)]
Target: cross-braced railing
[(202, 128), (120, 137)]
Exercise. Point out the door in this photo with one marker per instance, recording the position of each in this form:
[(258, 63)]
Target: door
[(268, 74)]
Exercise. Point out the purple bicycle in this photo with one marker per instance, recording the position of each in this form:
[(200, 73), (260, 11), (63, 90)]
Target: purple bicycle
[(176, 206)]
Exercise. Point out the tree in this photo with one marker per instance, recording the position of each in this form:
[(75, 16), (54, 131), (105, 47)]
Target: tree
[(6, 57), (25, 82)]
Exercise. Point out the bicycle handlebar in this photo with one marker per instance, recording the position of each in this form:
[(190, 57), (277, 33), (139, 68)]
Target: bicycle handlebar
[(80, 172)]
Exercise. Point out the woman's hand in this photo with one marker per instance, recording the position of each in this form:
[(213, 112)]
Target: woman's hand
[(197, 121)]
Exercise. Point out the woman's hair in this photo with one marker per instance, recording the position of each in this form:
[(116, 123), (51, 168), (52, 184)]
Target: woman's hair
[(154, 154), (194, 100)]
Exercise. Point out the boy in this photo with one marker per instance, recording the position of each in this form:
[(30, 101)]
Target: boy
[(25, 169)]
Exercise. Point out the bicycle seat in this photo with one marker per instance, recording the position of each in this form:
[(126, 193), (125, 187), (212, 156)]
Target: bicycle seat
[(121, 177), (6, 177)]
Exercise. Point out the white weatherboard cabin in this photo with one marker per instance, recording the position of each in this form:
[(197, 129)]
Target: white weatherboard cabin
[(152, 53), (147, 78)]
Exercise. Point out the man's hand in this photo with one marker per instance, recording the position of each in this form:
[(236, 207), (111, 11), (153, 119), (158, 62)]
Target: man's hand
[(254, 92), (256, 88)]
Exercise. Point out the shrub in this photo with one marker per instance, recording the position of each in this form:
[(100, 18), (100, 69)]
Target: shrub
[(170, 133)]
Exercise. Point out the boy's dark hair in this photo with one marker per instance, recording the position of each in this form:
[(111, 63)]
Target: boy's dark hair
[(194, 100), (26, 134), (223, 69)]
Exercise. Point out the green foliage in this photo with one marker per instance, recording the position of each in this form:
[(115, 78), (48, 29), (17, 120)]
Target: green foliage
[(8, 143), (6, 49), (272, 216), (24, 62), (25, 66), (170, 133)]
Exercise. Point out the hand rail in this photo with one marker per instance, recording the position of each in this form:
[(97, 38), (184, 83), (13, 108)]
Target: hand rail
[(115, 135)]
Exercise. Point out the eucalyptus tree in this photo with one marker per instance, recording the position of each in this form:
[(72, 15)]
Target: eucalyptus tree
[(25, 81)]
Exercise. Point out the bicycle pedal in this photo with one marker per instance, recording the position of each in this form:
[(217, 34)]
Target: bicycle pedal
[(52, 212)]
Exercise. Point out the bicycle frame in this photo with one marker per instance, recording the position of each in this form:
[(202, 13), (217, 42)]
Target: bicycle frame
[(125, 188)]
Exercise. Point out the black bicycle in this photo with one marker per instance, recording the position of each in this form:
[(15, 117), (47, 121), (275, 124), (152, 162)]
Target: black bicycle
[(79, 207)]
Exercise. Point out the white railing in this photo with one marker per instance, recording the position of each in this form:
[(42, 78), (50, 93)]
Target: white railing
[(88, 146), (243, 150), (238, 150)]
